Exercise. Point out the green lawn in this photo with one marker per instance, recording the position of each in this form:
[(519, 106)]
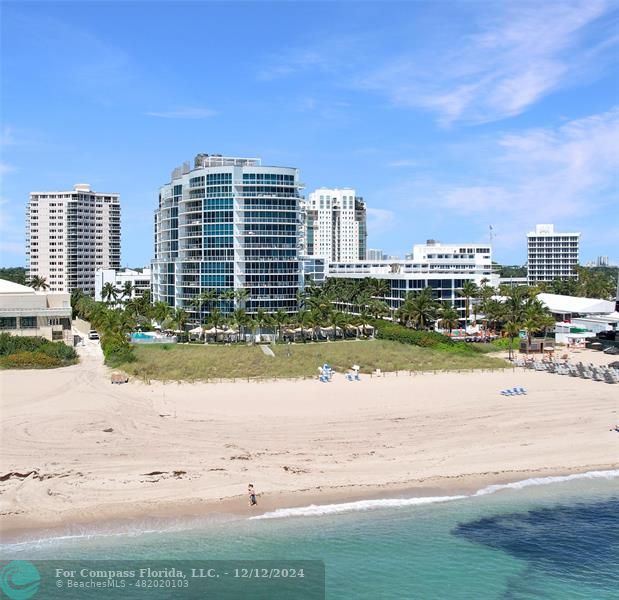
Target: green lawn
[(199, 362)]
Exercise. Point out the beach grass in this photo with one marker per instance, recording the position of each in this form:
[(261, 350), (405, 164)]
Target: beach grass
[(209, 362)]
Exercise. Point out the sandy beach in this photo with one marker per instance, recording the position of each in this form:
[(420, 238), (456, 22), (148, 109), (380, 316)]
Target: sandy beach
[(78, 450)]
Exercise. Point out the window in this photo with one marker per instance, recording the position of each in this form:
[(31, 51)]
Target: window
[(8, 323)]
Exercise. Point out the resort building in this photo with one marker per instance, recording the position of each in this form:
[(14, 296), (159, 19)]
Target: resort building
[(228, 224), (26, 312), (442, 267), (137, 281), (71, 234), (335, 225), (551, 255)]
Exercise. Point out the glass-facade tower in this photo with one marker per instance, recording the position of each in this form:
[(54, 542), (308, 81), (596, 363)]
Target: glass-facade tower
[(228, 224)]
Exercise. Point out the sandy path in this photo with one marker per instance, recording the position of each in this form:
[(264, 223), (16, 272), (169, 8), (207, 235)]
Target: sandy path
[(205, 442)]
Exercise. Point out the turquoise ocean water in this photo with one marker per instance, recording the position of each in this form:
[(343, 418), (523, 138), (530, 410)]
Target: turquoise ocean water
[(556, 538)]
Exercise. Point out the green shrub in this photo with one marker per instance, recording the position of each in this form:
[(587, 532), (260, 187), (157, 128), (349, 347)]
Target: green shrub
[(386, 330), (59, 351), (30, 360)]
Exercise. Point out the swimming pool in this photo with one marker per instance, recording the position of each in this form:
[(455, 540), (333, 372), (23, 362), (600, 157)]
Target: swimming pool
[(149, 337)]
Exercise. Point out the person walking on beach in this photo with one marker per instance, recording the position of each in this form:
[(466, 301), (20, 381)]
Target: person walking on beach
[(252, 495)]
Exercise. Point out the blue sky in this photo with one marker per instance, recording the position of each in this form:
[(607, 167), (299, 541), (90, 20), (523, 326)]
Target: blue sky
[(447, 117)]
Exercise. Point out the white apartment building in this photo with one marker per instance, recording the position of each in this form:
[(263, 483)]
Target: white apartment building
[(551, 255), (442, 267), (138, 280), (335, 225), (70, 234)]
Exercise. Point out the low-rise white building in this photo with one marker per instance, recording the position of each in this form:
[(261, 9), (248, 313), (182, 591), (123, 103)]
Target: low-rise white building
[(26, 312), (139, 280), (442, 267)]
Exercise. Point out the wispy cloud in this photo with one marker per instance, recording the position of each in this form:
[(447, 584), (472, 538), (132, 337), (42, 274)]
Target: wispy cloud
[(404, 163), (184, 113), (6, 168), (294, 62), (565, 175), (517, 57), (380, 220)]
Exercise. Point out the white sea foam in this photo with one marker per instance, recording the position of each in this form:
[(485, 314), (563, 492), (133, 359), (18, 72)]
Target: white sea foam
[(315, 510), (518, 485)]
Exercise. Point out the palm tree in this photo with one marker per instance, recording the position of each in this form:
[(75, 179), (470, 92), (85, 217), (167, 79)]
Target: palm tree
[(378, 308), (179, 318), (228, 296), (242, 296), (338, 319), (109, 293), (208, 297), (216, 319), (38, 283), (280, 318), (449, 317), (161, 312), (419, 309), (468, 291), (512, 329), (262, 318), (127, 289), (241, 319), (380, 288)]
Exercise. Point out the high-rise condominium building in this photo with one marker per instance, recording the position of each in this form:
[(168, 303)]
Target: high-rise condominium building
[(69, 235), (551, 255), (335, 225), (225, 225)]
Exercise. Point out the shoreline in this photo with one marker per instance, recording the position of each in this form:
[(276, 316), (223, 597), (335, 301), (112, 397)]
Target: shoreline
[(182, 514), (80, 453)]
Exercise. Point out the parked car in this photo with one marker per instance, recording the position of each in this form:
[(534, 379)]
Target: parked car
[(614, 365), (93, 335), (611, 350)]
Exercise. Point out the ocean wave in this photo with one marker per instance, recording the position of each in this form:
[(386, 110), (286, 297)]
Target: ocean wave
[(518, 485), (317, 510)]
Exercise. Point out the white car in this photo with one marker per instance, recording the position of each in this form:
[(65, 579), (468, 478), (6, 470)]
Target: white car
[(93, 335)]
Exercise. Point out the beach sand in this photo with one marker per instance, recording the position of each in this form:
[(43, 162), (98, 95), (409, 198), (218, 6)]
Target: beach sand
[(77, 450)]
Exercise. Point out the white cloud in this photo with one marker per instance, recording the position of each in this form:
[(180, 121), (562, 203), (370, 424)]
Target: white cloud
[(184, 113), (404, 163), (520, 55), (292, 63), (380, 220), (564, 175)]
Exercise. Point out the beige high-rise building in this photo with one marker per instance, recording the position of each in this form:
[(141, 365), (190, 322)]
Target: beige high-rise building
[(71, 234)]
